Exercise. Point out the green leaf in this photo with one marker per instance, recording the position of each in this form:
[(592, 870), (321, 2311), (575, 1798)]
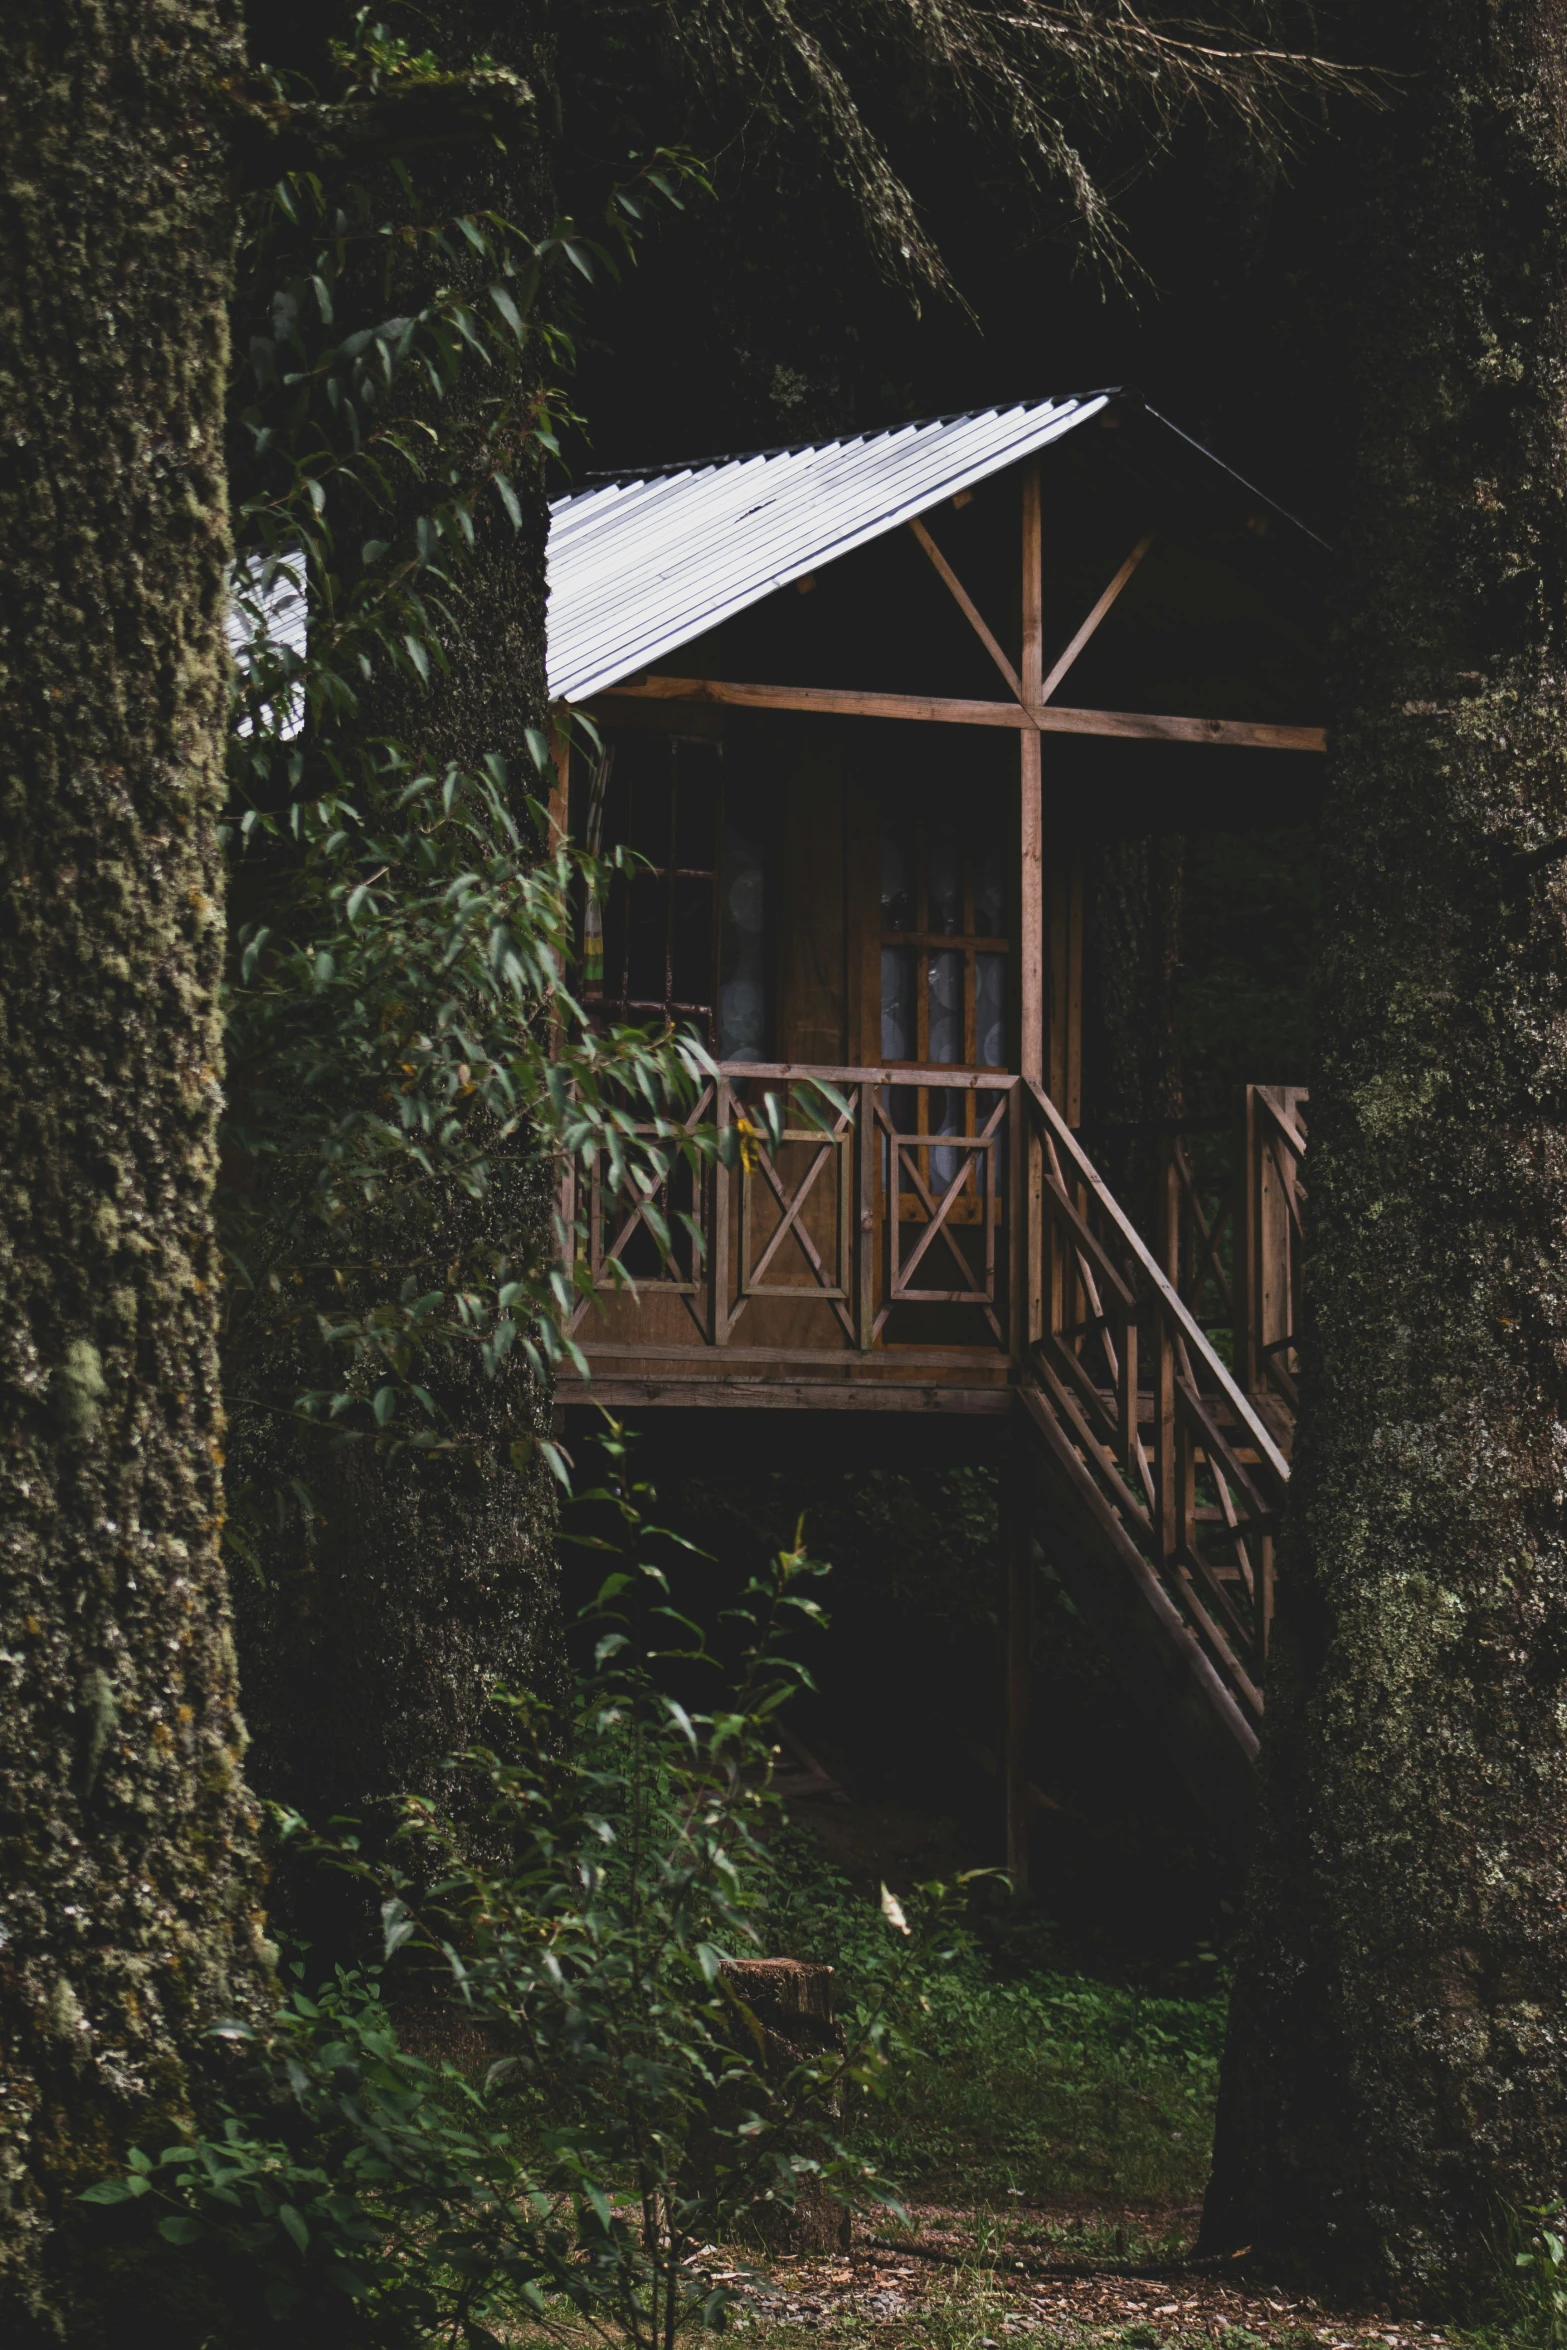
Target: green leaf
[(107, 2191), (181, 2229), (508, 310), (385, 1404), (508, 498), (298, 2233)]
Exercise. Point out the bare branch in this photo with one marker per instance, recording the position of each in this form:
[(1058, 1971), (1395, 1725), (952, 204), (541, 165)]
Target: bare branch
[(1046, 78)]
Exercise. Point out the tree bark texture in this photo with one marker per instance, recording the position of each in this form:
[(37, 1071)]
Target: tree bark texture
[(386, 1614), (129, 1916), (1397, 2070)]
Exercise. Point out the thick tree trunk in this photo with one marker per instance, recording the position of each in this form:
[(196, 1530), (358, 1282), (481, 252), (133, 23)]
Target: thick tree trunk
[(1396, 2070), (380, 1625), (128, 1892)]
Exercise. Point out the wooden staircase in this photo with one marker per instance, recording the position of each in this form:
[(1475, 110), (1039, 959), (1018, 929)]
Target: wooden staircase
[(939, 1240), (1159, 1393)]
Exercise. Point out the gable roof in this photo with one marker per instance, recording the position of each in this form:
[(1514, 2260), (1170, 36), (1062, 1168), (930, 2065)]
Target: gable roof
[(643, 562)]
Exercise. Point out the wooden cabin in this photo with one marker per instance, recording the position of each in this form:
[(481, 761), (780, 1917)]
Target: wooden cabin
[(864, 707)]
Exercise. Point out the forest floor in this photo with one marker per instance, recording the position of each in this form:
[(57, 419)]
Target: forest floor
[(957, 2279)]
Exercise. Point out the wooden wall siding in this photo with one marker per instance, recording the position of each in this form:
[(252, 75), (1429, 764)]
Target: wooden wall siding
[(862, 922), (812, 974)]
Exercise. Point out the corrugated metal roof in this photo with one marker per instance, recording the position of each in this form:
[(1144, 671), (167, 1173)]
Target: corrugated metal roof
[(640, 565), (268, 615)]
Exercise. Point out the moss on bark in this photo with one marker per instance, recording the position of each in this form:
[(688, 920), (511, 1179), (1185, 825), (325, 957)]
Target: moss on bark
[(129, 1915), (1396, 2068), (384, 1616)]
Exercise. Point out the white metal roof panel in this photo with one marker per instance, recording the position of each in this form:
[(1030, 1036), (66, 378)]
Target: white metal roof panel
[(640, 566)]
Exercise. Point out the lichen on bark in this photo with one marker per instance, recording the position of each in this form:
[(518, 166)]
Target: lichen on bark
[(1396, 2074), (129, 1893)]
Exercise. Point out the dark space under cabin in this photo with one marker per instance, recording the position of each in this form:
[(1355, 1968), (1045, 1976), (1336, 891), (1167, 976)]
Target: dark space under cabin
[(864, 709)]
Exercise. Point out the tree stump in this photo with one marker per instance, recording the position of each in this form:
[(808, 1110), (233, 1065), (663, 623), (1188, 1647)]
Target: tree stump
[(792, 2001)]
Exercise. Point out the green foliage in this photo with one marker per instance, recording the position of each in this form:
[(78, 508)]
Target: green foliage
[(632, 2106), (1037, 2084), (1531, 2299), (1251, 908), (403, 1041)]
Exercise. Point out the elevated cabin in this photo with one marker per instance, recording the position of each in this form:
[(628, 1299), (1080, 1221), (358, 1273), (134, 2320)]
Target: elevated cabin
[(864, 707)]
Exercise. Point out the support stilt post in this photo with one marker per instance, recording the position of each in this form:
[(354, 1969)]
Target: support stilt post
[(1019, 1644), (560, 785), (1031, 905)]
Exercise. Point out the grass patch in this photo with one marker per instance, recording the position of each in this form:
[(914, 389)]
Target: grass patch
[(1025, 2085)]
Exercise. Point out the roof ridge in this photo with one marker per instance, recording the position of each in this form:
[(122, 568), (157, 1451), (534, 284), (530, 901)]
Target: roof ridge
[(600, 476)]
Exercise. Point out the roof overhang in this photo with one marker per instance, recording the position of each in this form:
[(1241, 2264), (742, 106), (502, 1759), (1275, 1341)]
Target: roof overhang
[(642, 564)]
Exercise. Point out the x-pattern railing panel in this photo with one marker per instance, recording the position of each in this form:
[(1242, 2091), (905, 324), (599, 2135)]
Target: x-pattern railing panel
[(636, 1211), (977, 1174), (832, 1147), (820, 1218)]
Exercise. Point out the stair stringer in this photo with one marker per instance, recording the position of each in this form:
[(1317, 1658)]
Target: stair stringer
[(1154, 1655)]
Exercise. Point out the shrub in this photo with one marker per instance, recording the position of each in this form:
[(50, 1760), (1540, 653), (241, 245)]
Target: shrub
[(632, 2107)]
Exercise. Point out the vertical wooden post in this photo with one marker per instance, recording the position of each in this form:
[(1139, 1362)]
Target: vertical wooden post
[(1031, 900), (560, 790), (1244, 1286), (1271, 1301), (1020, 1274), (1019, 1643), (1031, 919), (868, 1251), (718, 1238), (1167, 1485)]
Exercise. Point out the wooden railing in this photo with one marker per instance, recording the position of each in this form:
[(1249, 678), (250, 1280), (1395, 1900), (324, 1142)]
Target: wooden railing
[(891, 1210), (1164, 1450), (1270, 1196), (888, 1202)]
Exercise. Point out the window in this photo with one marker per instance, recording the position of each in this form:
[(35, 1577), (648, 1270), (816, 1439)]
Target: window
[(943, 965), (943, 943), (679, 936)]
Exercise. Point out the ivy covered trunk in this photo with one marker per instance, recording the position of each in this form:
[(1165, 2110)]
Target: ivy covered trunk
[(128, 1891), (410, 1586), (1397, 2071)]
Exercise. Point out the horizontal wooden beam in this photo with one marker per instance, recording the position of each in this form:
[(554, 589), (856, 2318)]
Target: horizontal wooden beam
[(931, 709), (895, 1073), (645, 1358), (780, 1395)]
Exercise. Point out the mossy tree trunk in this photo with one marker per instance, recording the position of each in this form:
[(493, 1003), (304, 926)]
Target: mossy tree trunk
[(128, 1890), (387, 1614), (1397, 2070)]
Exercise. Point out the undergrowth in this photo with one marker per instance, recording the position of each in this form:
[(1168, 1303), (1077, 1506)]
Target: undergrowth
[(1029, 2084)]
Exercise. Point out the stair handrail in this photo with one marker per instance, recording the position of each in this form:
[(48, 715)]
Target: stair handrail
[(1159, 1282)]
